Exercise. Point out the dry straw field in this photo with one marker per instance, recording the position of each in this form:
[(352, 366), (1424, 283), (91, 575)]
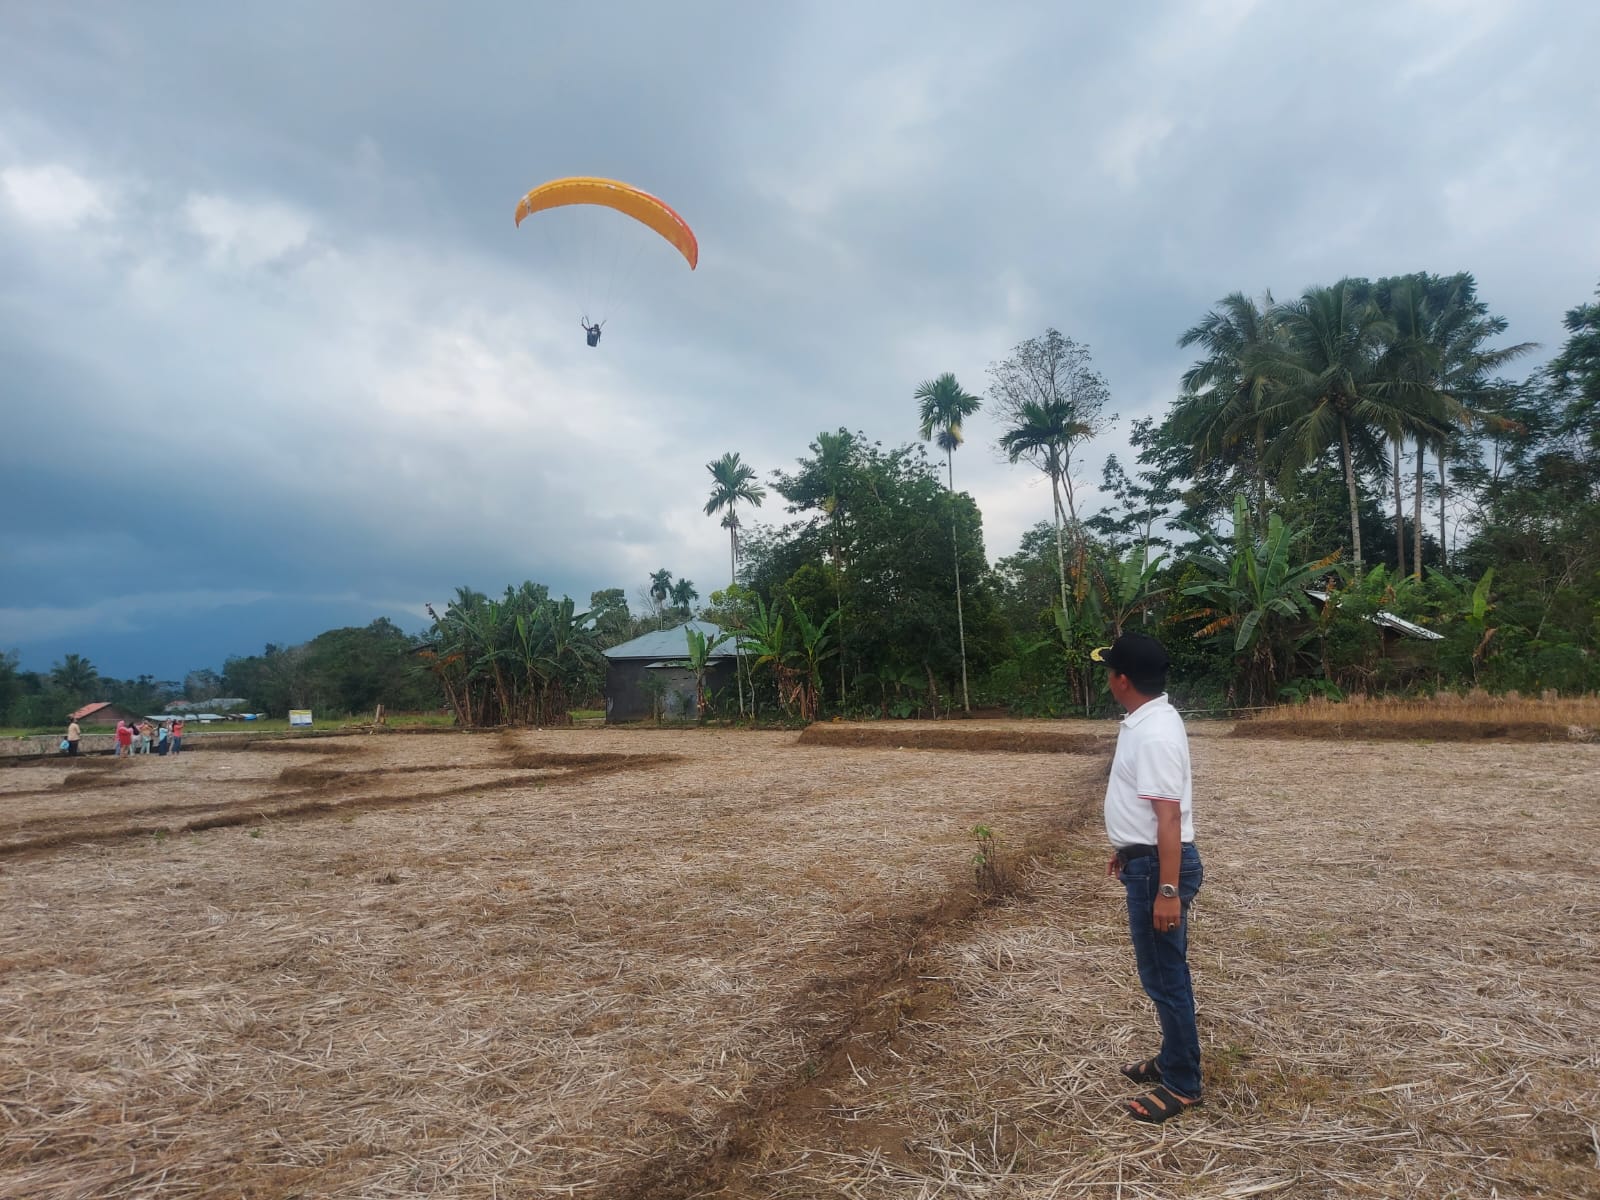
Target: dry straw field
[(675, 964)]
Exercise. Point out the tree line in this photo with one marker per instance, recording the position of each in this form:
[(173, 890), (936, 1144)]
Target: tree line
[(1356, 450)]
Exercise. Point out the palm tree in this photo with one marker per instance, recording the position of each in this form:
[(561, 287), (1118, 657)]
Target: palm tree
[(1442, 327), (1325, 385), (76, 676), (943, 406), (1052, 399), (660, 590), (733, 482), (684, 595), (1044, 434), (1222, 412)]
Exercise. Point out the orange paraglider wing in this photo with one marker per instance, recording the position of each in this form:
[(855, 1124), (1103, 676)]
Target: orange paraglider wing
[(624, 198)]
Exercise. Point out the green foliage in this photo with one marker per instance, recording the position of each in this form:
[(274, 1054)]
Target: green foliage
[(1253, 596), (609, 617), (989, 870), (872, 543), (524, 660), (343, 671)]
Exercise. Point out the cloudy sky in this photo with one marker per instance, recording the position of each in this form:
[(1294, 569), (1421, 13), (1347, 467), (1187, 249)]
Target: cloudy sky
[(274, 358)]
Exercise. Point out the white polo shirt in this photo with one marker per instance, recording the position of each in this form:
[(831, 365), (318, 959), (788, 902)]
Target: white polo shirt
[(1151, 764)]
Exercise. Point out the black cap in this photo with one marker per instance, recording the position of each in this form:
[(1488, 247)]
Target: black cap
[(1133, 654)]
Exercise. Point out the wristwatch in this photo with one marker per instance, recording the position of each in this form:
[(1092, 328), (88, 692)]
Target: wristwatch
[(1168, 889)]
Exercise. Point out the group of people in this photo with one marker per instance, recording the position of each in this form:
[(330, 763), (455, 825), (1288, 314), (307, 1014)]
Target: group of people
[(143, 737)]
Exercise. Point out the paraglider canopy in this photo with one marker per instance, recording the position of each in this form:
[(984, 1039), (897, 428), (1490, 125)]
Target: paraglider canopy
[(624, 198)]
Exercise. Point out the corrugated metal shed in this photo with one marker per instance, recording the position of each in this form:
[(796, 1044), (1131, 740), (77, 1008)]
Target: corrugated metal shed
[(1388, 620), (668, 643)]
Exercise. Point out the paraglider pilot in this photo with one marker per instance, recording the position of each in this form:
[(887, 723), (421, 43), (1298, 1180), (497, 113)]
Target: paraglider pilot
[(591, 332)]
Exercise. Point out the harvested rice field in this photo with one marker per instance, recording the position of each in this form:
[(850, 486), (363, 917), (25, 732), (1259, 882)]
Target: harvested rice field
[(638, 964)]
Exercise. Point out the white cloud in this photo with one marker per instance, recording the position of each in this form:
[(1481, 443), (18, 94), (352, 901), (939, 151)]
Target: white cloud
[(245, 234), (1131, 143), (53, 196), (1446, 29)]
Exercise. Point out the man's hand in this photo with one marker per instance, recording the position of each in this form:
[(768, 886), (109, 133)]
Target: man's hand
[(1114, 868), (1168, 914)]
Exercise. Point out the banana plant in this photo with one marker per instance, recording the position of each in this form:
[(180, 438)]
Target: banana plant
[(763, 637), (1255, 597), (1127, 590), (816, 646), (1472, 609), (701, 648)]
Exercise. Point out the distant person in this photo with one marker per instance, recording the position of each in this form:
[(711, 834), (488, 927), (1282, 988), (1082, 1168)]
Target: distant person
[(175, 742), (162, 736), (1150, 823), (124, 740), (74, 736), (146, 737), (591, 332)]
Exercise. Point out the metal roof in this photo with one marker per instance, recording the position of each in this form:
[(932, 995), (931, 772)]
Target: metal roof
[(669, 643), (1389, 620), (87, 709)]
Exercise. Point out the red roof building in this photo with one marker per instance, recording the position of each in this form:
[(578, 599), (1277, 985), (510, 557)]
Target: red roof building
[(102, 712)]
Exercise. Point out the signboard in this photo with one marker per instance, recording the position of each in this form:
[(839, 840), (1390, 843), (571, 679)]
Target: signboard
[(299, 716)]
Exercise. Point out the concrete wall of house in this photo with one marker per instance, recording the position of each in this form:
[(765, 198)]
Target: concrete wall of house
[(627, 699)]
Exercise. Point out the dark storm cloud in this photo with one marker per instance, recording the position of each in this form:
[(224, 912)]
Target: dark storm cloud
[(274, 356)]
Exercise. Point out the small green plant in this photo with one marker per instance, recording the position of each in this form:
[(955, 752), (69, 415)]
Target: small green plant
[(159, 836), (256, 832), (988, 867)]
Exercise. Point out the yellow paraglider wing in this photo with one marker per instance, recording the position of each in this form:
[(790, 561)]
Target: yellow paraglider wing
[(625, 199)]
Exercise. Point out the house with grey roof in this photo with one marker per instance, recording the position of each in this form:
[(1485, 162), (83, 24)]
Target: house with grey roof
[(648, 672)]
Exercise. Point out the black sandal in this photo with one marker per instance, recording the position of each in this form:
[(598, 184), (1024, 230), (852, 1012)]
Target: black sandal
[(1142, 1072), (1157, 1105)]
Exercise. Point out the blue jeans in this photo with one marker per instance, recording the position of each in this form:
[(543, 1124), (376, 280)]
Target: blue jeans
[(1163, 960)]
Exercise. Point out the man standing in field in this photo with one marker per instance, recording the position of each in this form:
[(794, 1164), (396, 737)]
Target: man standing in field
[(74, 735), (1150, 822)]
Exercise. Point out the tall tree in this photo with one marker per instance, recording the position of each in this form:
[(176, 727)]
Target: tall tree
[(684, 596), (942, 406), (609, 616), (75, 675), (1050, 400), (1039, 435), (1137, 502), (1325, 386), (1440, 360), (660, 592), (732, 483), (1222, 413), (829, 482)]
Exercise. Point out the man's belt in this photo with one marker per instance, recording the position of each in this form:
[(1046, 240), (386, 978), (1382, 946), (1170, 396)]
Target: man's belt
[(1126, 854)]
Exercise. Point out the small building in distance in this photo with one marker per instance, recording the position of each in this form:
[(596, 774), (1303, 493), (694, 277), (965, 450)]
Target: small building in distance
[(102, 712), (658, 657)]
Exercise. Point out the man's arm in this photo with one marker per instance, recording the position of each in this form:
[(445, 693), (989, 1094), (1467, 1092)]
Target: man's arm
[(1169, 844)]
